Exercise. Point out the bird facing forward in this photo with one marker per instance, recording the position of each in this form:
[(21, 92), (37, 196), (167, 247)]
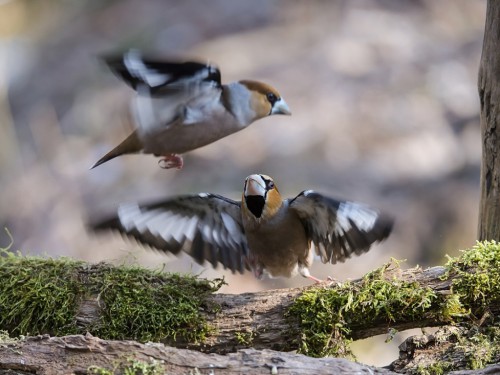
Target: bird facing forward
[(180, 107), (263, 233)]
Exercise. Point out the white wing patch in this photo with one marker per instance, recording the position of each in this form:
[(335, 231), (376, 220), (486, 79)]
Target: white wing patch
[(136, 67), (363, 217), (199, 76), (178, 227), (131, 217), (206, 232), (154, 78), (232, 228), (126, 212), (169, 226), (190, 228), (157, 224)]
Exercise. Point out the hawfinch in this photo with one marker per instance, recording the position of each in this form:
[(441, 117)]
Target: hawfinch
[(180, 107), (263, 233)]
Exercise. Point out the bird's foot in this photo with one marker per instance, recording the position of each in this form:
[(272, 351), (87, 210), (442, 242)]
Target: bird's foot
[(258, 271), (304, 271), (328, 282), (171, 161), (315, 279)]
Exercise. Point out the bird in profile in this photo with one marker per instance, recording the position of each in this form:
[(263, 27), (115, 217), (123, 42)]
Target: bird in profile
[(181, 106), (263, 233)]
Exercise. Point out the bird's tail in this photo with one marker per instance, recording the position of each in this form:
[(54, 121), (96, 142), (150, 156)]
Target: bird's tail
[(130, 145)]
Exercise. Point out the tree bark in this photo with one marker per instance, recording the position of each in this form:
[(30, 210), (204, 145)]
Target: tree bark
[(46, 355), (489, 95), (447, 348)]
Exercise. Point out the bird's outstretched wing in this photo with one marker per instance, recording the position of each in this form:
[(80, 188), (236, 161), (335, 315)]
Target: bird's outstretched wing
[(338, 229), (168, 93), (206, 226), (161, 77)]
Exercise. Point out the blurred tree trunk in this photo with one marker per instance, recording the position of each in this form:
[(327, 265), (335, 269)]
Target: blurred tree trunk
[(489, 94)]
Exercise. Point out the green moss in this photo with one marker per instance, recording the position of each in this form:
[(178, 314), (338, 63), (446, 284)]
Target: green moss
[(327, 315), (475, 287), (38, 295), (42, 295), (437, 368), (143, 368), (151, 306), (131, 367), (478, 276), (480, 348), (468, 347), (96, 370), (245, 337), (5, 339)]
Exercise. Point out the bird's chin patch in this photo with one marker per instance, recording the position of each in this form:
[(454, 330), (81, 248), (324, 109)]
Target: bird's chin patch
[(255, 204)]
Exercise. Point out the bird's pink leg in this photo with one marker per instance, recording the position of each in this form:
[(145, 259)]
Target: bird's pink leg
[(328, 280), (171, 161), (304, 271), (315, 279)]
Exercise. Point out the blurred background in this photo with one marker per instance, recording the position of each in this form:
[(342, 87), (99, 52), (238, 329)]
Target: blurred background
[(385, 111)]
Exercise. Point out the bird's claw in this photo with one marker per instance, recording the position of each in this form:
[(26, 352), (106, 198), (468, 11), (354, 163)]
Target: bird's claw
[(329, 281), (171, 161)]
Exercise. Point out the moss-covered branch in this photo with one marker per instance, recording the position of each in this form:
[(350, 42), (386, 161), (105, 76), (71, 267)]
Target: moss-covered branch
[(462, 291), (61, 297), (450, 348)]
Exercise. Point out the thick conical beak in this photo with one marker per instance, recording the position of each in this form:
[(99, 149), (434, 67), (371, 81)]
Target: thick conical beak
[(255, 186), (280, 108)]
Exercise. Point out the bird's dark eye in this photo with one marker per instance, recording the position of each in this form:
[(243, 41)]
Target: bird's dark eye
[(270, 185), (272, 98)]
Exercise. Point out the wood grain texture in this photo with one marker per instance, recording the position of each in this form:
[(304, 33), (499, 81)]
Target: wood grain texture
[(489, 95), (46, 355)]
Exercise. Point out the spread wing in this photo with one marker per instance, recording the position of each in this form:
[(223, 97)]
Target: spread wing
[(161, 77), (206, 226), (169, 93), (337, 228)]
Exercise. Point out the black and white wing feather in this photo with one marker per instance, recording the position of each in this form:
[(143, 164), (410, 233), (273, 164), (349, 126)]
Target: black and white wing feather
[(339, 229), (168, 93), (206, 226), (161, 77)]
